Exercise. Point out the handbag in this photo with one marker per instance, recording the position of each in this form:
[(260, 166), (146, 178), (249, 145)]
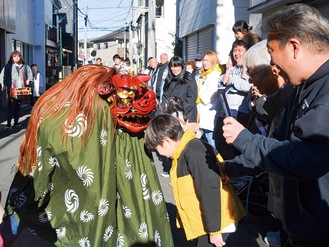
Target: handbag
[(19, 93)]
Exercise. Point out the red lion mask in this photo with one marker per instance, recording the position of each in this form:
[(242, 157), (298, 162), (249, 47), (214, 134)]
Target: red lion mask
[(132, 101)]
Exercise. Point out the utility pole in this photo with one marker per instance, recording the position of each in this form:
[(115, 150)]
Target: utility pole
[(151, 29), (85, 41), (125, 42), (130, 33), (60, 51), (75, 32)]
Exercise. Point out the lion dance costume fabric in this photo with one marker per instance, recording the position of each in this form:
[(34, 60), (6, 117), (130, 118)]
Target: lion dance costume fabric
[(89, 180)]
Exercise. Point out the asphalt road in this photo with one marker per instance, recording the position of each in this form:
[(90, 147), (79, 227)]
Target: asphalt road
[(251, 230)]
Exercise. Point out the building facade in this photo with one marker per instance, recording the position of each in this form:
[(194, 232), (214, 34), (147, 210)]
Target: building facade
[(32, 27), (207, 25)]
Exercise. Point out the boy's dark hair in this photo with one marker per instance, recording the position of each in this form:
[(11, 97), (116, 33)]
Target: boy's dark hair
[(116, 56), (163, 125)]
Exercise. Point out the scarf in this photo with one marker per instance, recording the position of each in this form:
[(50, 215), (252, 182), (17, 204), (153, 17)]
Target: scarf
[(203, 75)]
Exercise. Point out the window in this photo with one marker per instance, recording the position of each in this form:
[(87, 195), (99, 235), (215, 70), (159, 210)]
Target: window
[(159, 8)]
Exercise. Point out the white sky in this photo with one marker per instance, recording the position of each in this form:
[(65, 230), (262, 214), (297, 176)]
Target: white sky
[(105, 16)]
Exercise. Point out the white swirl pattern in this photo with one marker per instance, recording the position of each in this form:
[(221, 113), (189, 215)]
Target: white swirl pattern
[(40, 166), (146, 192), (126, 211), (86, 175), (157, 197), (128, 172), (84, 242), (120, 241), (78, 127), (143, 230), (53, 161), (103, 207), (108, 233), (86, 216), (61, 232), (157, 238), (71, 201), (103, 137)]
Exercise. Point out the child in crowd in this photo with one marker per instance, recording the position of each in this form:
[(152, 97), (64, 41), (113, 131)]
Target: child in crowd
[(190, 67), (244, 32), (195, 178), (175, 107)]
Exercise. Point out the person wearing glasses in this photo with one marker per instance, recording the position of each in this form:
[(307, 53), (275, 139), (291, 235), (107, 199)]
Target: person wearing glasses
[(298, 43)]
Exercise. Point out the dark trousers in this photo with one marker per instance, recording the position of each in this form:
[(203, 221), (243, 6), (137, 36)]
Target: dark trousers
[(13, 110), (25, 239)]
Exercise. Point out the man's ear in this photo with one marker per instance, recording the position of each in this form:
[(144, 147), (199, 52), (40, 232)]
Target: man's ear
[(295, 45), (167, 139)]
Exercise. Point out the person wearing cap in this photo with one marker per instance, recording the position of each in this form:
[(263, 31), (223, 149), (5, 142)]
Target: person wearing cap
[(198, 64)]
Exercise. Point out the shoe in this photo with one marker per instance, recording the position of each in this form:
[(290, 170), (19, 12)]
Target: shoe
[(273, 239), (165, 174), (17, 126), (8, 128)]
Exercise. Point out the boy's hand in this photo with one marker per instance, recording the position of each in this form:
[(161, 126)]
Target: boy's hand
[(216, 240)]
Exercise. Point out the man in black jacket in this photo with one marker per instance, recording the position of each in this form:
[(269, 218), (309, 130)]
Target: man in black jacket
[(298, 42), (162, 74)]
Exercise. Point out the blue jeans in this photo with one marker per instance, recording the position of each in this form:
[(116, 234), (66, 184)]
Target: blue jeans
[(209, 135)]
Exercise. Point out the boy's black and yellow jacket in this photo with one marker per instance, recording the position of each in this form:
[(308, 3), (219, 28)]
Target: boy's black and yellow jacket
[(195, 178)]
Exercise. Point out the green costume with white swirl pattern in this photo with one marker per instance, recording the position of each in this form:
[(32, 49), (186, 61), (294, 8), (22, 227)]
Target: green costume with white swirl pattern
[(104, 194)]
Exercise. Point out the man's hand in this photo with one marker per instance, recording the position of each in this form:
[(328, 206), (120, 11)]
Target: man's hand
[(216, 240), (231, 129)]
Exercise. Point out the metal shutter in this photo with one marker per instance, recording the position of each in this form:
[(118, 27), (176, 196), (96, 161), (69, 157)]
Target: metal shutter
[(191, 46), (205, 40)]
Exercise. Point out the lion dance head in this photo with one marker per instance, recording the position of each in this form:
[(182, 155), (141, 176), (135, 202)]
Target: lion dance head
[(131, 102)]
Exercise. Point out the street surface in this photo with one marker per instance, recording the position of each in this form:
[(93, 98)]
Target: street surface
[(251, 231)]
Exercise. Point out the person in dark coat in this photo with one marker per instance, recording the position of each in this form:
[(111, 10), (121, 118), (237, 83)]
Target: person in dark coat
[(181, 83), (298, 42)]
